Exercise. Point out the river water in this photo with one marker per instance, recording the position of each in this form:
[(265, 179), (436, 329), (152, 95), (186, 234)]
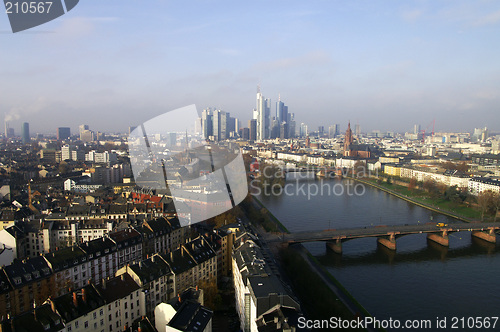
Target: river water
[(420, 280)]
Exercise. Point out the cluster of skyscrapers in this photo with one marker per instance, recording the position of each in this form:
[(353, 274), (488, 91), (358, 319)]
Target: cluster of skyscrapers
[(282, 125), (217, 125)]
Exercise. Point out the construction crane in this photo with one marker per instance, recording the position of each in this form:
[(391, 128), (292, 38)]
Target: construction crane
[(423, 131)]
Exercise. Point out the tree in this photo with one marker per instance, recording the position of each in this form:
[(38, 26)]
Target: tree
[(360, 169), (210, 292), (389, 180), (413, 184), (224, 219), (484, 201), (63, 167), (495, 204)]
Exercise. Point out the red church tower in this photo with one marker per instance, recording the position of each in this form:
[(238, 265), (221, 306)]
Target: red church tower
[(348, 140)]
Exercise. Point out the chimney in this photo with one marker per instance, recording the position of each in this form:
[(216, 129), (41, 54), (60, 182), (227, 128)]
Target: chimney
[(179, 298), (84, 295), (75, 300), (172, 256), (122, 277), (103, 283)]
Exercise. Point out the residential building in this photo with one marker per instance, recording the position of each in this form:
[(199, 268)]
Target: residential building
[(479, 185)]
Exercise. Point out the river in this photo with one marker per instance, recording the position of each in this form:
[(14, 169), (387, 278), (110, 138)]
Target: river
[(419, 281)]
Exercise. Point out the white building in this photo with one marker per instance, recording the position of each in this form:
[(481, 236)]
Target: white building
[(480, 185)]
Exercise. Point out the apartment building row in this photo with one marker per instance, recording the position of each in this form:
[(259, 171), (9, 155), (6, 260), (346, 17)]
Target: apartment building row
[(262, 302), (115, 305), (31, 238), (114, 301), (34, 280), (475, 185)]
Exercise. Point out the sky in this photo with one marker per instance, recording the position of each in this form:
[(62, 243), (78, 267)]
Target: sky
[(385, 65)]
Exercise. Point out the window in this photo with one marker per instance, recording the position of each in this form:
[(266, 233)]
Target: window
[(126, 305), (101, 312), (94, 315), (110, 317), (126, 315), (76, 324), (86, 324), (131, 305)]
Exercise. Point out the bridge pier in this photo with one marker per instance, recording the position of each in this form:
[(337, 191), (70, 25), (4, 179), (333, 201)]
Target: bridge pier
[(388, 242), (335, 246), (488, 235), (441, 239)]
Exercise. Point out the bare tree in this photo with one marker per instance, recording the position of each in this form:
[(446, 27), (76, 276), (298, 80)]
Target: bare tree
[(495, 202), (484, 201)]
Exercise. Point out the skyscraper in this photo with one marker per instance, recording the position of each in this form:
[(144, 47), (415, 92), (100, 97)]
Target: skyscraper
[(206, 123), (263, 111), (357, 130), (303, 130), (281, 111), (252, 126), (26, 133), (63, 133)]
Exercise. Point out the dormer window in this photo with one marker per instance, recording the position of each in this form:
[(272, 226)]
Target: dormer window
[(36, 274), (17, 281)]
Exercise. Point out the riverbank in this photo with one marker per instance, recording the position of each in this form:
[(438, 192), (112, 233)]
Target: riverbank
[(321, 295), (405, 194)]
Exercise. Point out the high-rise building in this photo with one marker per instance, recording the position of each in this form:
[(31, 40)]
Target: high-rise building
[(207, 123), (416, 129), (281, 111), (284, 131), (357, 130), (63, 133), (252, 126), (321, 130), (245, 133), (303, 130), (87, 136), (25, 133), (9, 132), (131, 129), (331, 131), (66, 152), (83, 127), (263, 112)]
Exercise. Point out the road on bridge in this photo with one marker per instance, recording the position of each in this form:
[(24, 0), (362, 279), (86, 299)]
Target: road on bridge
[(375, 231)]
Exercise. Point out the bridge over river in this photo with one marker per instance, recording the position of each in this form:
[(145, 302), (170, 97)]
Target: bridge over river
[(387, 235)]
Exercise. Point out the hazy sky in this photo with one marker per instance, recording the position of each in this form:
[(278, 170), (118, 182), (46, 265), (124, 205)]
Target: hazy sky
[(383, 64)]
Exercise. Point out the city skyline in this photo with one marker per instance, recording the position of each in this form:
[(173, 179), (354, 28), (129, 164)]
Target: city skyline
[(384, 65)]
